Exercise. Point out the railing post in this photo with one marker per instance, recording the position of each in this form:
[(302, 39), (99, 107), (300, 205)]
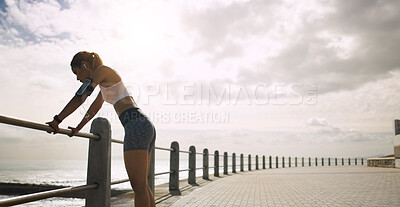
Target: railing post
[(256, 162), (192, 166), (309, 161), (174, 167), (216, 163), (316, 161), (263, 161), (249, 163), (225, 163), (233, 162), (99, 164), (205, 164), (270, 162), (277, 162), (241, 163)]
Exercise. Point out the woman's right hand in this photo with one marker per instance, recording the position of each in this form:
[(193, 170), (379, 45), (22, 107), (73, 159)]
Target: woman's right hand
[(54, 125)]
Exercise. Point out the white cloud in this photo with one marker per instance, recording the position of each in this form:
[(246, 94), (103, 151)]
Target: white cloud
[(317, 121), (345, 46)]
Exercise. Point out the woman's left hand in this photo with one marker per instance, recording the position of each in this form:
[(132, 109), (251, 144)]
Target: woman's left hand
[(54, 125), (74, 131)]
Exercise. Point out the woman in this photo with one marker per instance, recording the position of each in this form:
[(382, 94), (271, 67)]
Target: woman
[(140, 133)]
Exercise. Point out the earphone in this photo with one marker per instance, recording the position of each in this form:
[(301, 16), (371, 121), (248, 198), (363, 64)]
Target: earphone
[(88, 70)]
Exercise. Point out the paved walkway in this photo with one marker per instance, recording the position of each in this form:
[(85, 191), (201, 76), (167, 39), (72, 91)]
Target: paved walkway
[(302, 186)]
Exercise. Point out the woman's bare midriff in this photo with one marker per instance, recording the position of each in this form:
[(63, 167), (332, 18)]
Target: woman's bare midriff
[(124, 104)]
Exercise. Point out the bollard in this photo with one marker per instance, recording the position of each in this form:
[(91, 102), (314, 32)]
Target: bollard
[(205, 164), (362, 161), (342, 161), (192, 166), (99, 164), (174, 167), (216, 163), (249, 163), (309, 161), (225, 163), (270, 162), (295, 161), (322, 161), (302, 161), (355, 160), (256, 162), (241, 163), (316, 161), (277, 163), (263, 161), (329, 161), (290, 162), (336, 161), (349, 162), (233, 163), (283, 162)]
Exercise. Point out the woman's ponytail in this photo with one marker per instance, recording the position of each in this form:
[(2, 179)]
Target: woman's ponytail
[(91, 57)]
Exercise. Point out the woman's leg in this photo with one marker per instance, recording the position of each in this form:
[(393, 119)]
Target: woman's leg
[(151, 196), (137, 165)]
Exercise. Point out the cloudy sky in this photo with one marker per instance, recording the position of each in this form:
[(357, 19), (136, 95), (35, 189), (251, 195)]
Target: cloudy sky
[(292, 78)]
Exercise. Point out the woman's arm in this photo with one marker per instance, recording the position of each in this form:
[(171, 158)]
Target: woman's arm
[(76, 101), (92, 111), (98, 76), (73, 104)]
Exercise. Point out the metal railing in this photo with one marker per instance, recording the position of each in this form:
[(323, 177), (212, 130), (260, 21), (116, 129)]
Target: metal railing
[(98, 187)]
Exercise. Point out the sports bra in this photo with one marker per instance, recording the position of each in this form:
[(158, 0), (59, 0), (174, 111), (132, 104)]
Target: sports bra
[(114, 93)]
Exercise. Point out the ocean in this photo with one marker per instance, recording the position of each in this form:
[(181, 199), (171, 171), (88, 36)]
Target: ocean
[(73, 173)]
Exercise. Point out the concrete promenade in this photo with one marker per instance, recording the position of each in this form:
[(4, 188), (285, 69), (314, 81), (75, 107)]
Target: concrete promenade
[(301, 186)]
